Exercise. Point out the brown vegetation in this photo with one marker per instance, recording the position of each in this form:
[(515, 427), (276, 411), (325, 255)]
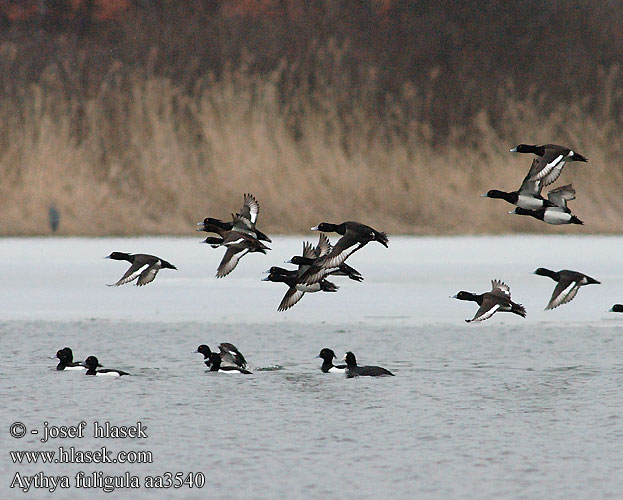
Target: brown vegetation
[(398, 116)]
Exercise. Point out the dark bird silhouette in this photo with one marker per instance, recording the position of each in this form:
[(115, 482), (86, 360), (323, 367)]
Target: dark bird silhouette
[(54, 217), (352, 370)]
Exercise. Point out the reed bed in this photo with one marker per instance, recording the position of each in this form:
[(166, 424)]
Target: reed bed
[(147, 155)]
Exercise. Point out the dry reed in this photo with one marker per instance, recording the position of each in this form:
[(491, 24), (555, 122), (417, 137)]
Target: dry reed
[(145, 156)]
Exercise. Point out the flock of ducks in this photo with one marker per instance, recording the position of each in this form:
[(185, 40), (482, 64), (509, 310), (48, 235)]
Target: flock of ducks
[(240, 236), (545, 169)]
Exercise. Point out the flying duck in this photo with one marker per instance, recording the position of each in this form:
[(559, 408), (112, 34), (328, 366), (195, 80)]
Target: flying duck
[(296, 289), (569, 282), (144, 267), (557, 211), (323, 248), (245, 222), (551, 159), (498, 299), (238, 245), (353, 233)]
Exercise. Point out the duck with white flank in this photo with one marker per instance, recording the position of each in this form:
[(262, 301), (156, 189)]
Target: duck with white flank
[(92, 363), (217, 366), (353, 233), (528, 196), (66, 360), (498, 299), (352, 370), (557, 212), (327, 356), (551, 159), (144, 267), (229, 354), (569, 282)]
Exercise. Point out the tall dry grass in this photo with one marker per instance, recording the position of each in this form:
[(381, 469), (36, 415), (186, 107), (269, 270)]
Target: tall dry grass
[(145, 155)]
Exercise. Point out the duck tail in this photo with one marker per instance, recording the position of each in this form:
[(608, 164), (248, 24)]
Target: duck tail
[(575, 220)]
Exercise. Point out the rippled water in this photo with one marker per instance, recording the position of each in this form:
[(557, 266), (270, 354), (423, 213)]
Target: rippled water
[(510, 408)]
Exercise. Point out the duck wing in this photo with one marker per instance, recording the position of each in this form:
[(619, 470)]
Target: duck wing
[(561, 195), (250, 209), (531, 186), (291, 297), (131, 274), (323, 247), (229, 261), (487, 309), (564, 292), (549, 167), (500, 288), (340, 252), (232, 356), (149, 274)]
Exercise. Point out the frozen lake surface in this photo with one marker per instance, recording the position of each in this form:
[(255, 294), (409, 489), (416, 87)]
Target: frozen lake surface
[(508, 408)]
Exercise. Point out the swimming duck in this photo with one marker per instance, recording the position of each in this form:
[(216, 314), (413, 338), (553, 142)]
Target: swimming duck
[(551, 159), (528, 196), (352, 370), (353, 233), (569, 282), (144, 267), (92, 363), (66, 360), (557, 212), (296, 289), (216, 366), (327, 356), (229, 354), (498, 299)]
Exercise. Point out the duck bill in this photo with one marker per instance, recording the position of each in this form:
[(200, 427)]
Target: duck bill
[(514, 150), (484, 195), (315, 228)]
